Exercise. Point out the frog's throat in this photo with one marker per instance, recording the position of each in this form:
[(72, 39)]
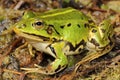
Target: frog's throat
[(29, 36)]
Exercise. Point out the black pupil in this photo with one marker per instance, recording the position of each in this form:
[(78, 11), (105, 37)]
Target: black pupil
[(38, 23)]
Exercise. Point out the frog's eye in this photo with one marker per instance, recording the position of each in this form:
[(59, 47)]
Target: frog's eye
[(38, 25)]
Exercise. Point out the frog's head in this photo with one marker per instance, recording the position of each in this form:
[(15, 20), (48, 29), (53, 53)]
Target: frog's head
[(32, 25)]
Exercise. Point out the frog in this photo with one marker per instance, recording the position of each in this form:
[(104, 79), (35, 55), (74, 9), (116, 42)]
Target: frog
[(64, 32)]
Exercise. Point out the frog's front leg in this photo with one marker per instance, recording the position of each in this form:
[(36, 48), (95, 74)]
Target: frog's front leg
[(57, 65)]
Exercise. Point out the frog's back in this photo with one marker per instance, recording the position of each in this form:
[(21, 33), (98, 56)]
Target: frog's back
[(64, 14), (71, 24)]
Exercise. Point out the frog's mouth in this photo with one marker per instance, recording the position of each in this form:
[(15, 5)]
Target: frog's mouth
[(31, 36)]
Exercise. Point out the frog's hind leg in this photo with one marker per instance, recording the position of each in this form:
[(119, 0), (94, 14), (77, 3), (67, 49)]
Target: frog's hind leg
[(100, 41), (56, 66), (93, 55)]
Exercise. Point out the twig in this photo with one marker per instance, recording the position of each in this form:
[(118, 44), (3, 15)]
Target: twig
[(19, 4)]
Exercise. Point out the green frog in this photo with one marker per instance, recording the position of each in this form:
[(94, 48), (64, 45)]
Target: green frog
[(64, 32)]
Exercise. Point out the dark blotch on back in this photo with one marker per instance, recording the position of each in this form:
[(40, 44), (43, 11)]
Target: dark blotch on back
[(78, 25), (62, 26), (69, 24)]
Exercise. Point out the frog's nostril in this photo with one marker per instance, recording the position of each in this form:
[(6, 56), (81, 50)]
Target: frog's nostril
[(21, 26)]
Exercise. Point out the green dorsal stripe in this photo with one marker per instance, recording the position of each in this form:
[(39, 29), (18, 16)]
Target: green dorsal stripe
[(59, 13)]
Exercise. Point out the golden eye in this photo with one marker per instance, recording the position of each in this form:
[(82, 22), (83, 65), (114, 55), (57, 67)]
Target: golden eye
[(38, 25)]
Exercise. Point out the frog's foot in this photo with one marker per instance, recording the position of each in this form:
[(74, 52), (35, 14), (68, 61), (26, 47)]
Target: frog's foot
[(52, 68), (93, 55), (88, 58), (43, 70)]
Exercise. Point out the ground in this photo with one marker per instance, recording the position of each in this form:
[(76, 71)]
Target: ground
[(14, 53)]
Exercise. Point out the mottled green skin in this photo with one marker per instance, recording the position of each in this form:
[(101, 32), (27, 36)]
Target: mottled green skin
[(62, 26)]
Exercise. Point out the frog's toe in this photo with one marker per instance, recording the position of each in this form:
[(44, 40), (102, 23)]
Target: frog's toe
[(42, 70), (38, 70)]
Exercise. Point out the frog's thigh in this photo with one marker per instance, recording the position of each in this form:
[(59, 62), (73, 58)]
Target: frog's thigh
[(61, 59), (91, 55)]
